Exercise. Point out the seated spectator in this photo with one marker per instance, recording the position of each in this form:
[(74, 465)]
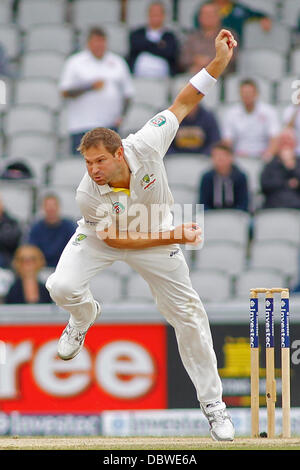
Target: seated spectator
[(27, 289), (153, 48), (225, 185), (51, 233), (280, 178), (98, 86), (199, 47), (197, 132), (234, 15), (4, 64), (10, 236), (251, 127)]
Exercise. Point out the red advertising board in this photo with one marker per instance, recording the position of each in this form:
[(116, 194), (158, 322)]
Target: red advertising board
[(120, 367)]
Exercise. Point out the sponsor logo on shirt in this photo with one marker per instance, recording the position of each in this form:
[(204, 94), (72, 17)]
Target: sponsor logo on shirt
[(148, 181), (118, 207), (79, 239), (158, 121), (174, 253)]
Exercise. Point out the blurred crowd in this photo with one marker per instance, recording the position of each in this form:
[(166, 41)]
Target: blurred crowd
[(97, 87)]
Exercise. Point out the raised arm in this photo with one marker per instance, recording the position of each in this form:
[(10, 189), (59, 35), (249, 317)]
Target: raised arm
[(200, 84)]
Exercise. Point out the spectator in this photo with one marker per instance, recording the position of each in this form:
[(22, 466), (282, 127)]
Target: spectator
[(52, 232), (291, 118), (224, 186), (10, 236), (153, 48), (27, 289), (199, 47), (251, 127), (234, 15), (98, 86), (4, 63), (197, 132), (280, 178)]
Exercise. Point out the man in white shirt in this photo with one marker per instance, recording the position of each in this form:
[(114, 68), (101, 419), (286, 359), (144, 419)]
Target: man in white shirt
[(126, 204), (98, 86), (251, 127)]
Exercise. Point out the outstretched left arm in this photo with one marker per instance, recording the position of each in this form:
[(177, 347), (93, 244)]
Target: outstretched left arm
[(190, 95)]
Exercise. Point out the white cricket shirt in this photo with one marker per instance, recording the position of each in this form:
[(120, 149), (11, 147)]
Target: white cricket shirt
[(148, 206), (250, 133), (96, 108)]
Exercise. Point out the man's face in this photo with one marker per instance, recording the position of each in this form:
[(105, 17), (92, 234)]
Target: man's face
[(248, 95), (156, 16), (97, 45), (222, 161), (102, 166), (51, 209), (209, 17)]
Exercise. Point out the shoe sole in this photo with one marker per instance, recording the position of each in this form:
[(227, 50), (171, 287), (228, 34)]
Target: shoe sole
[(68, 358), (220, 440)]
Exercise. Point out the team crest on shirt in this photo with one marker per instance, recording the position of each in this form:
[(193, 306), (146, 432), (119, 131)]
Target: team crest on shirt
[(158, 121), (79, 238), (148, 181), (118, 207)]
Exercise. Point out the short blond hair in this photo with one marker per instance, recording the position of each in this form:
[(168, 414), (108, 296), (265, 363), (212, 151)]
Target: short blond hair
[(109, 138)]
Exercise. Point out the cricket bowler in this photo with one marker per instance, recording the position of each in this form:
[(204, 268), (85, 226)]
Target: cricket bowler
[(123, 175)]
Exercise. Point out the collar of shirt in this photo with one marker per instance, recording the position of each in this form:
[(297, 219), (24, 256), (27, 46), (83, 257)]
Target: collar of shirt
[(134, 166)]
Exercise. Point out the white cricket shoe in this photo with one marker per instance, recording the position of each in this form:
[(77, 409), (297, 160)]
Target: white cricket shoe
[(72, 339), (221, 427)]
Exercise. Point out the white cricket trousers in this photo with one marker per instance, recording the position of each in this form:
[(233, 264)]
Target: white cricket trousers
[(168, 277)]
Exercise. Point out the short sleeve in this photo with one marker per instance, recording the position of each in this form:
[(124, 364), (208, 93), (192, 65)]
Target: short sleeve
[(68, 76), (159, 132)]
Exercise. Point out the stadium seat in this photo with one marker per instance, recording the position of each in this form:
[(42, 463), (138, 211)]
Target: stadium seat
[(39, 145), (212, 285), (278, 255), (87, 13), (186, 169), (258, 277), (18, 197), (42, 65), (5, 12), (138, 289), (136, 13), (73, 168), (10, 40), (187, 11), (267, 6), (146, 88), (211, 100), (135, 119), (52, 37), (227, 224), (295, 62), (225, 255), (277, 39), (24, 118), (106, 287), (286, 88), (290, 12), (277, 224), (34, 12), (38, 91), (252, 167), (232, 88), (184, 194), (263, 62)]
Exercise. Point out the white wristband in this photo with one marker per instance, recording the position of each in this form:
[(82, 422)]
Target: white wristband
[(203, 81)]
